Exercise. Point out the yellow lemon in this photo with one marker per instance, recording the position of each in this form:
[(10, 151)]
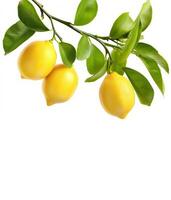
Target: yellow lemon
[(60, 84), (117, 95), (37, 60)]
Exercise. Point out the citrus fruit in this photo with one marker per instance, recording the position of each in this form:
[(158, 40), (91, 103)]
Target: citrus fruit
[(60, 84), (117, 95), (37, 60)]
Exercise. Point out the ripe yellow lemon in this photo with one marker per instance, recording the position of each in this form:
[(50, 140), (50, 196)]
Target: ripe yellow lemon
[(60, 84), (117, 95), (37, 60)]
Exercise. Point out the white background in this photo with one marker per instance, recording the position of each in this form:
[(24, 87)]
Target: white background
[(76, 150)]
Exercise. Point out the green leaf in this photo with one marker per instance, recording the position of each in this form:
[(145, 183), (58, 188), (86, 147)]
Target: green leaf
[(84, 48), (147, 51), (121, 26), (86, 12), (99, 74), (131, 41), (15, 36), (68, 53), (155, 72), (96, 60), (146, 15), (141, 85), (117, 65), (29, 16)]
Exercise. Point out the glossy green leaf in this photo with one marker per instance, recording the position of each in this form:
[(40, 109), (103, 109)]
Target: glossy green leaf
[(155, 72), (117, 65), (141, 85), (146, 15), (147, 51), (29, 16), (68, 53), (131, 41), (84, 48), (86, 12), (99, 74), (96, 60), (121, 26), (15, 36)]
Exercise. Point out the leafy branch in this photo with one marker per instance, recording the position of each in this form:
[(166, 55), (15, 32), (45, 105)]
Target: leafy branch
[(71, 25), (123, 40)]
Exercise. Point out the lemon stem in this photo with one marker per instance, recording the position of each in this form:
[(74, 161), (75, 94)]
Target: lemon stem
[(54, 31)]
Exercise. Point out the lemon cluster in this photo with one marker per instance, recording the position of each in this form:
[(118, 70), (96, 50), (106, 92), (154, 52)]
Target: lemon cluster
[(38, 61)]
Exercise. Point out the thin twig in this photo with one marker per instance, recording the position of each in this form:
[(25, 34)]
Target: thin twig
[(54, 30)]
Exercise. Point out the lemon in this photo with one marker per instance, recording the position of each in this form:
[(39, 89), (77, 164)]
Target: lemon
[(37, 60), (60, 84), (117, 95)]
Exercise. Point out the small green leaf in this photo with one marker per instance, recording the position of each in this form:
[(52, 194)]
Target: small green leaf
[(96, 60), (68, 53), (121, 26), (132, 40), (29, 16), (86, 12), (84, 48), (147, 51), (141, 85), (99, 74), (117, 65), (155, 72), (15, 36), (146, 15)]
